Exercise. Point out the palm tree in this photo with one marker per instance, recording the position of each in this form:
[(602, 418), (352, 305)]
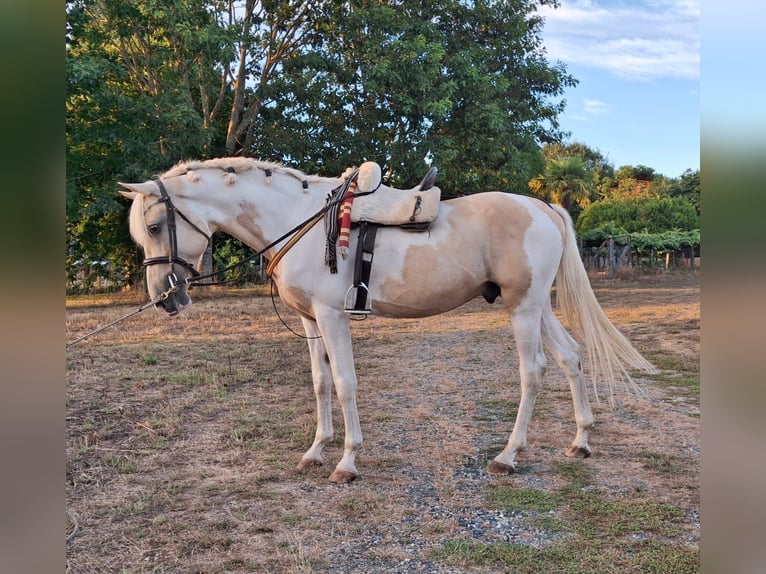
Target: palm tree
[(566, 182)]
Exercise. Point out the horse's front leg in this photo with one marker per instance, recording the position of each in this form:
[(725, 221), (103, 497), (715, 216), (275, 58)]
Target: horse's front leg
[(336, 333), (321, 375)]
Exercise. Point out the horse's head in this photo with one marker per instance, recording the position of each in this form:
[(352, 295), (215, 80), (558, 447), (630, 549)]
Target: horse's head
[(173, 243)]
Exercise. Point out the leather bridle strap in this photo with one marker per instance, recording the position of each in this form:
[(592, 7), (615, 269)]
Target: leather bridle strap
[(172, 257)]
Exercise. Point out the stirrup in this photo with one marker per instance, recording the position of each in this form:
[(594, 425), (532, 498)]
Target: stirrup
[(349, 308)]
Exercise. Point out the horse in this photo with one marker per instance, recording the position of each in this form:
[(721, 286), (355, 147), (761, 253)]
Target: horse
[(491, 244)]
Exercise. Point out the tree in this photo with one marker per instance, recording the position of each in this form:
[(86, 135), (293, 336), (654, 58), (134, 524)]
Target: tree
[(565, 182), (596, 164), (687, 186), (138, 79), (461, 84)]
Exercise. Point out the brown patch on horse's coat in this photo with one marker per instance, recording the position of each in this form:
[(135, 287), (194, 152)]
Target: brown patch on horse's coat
[(502, 228), (245, 221), (513, 274), (297, 299)]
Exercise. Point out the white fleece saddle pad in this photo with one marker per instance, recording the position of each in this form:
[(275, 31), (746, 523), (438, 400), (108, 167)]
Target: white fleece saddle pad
[(389, 206)]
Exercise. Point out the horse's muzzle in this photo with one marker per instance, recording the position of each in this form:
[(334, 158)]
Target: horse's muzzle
[(174, 303)]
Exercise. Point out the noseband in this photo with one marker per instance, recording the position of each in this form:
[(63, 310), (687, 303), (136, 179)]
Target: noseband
[(173, 258)]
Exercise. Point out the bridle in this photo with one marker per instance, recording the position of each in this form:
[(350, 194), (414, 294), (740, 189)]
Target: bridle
[(172, 258)]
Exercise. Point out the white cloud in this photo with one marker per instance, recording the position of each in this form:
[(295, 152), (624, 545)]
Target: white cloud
[(595, 107), (640, 40)]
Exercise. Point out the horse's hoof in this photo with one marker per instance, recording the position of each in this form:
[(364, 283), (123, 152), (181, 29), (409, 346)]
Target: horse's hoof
[(500, 468), (342, 476), (307, 463), (578, 452)]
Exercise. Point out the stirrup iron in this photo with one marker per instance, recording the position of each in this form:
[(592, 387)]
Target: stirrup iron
[(352, 297)]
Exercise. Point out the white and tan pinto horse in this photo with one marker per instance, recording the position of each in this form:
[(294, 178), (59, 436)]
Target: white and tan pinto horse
[(486, 244)]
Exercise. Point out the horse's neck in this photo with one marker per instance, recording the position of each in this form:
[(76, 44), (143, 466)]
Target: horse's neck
[(258, 214)]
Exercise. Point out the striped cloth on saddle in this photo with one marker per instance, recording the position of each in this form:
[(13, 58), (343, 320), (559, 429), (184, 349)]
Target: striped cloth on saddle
[(337, 220)]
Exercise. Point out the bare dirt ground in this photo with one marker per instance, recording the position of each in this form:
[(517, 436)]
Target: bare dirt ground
[(183, 434)]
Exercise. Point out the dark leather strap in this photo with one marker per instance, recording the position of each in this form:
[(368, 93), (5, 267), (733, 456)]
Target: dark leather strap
[(363, 263)]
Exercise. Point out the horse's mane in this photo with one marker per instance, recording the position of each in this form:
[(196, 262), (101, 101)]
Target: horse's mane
[(239, 165)]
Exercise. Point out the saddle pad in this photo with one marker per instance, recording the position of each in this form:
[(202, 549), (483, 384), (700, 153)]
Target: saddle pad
[(389, 206)]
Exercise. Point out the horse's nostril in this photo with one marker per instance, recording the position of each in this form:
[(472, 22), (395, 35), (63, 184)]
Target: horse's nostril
[(163, 306)]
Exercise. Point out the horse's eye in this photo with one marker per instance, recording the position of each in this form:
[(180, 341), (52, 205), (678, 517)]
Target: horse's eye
[(154, 229)]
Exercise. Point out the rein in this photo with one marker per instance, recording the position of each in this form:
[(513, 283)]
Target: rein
[(173, 258), (157, 299)]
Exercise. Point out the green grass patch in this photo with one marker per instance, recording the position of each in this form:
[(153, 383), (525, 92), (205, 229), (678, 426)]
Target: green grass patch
[(576, 472), (503, 409), (605, 536), (570, 557), (685, 384), (674, 363), (664, 463), (122, 464), (512, 498)]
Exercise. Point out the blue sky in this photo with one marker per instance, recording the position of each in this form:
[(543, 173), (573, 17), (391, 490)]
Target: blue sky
[(638, 66)]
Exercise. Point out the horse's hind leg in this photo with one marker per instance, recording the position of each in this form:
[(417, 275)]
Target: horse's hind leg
[(526, 329), (321, 375), (566, 352)]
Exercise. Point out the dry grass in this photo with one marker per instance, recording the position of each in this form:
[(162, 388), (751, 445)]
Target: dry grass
[(182, 437)]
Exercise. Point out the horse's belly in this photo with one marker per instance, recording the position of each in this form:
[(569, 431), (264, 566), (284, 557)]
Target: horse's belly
[(424, 285)]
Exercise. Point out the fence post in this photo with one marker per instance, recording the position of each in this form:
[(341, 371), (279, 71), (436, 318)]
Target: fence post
[(610, 247)]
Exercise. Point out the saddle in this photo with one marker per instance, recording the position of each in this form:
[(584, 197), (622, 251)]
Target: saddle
[(412, 210)]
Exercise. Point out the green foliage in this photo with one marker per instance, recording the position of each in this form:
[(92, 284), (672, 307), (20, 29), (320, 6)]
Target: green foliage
[(566, 182), (136, 78), (688, 187), (670, 240), (229, 251), (462, 85), (640, 214), (600, 170)]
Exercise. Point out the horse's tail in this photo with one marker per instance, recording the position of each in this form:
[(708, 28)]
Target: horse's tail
[(610, 354)]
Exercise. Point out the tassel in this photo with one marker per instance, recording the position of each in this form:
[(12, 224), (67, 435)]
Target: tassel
[(344, 231)]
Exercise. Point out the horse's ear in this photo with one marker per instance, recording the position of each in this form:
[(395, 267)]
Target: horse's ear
[(128, 194), (147, 188)]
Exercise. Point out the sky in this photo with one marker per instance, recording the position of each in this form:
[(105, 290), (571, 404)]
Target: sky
[(638, 66)]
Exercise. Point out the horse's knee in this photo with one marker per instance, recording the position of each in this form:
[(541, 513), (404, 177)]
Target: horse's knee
[(346, 391)]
